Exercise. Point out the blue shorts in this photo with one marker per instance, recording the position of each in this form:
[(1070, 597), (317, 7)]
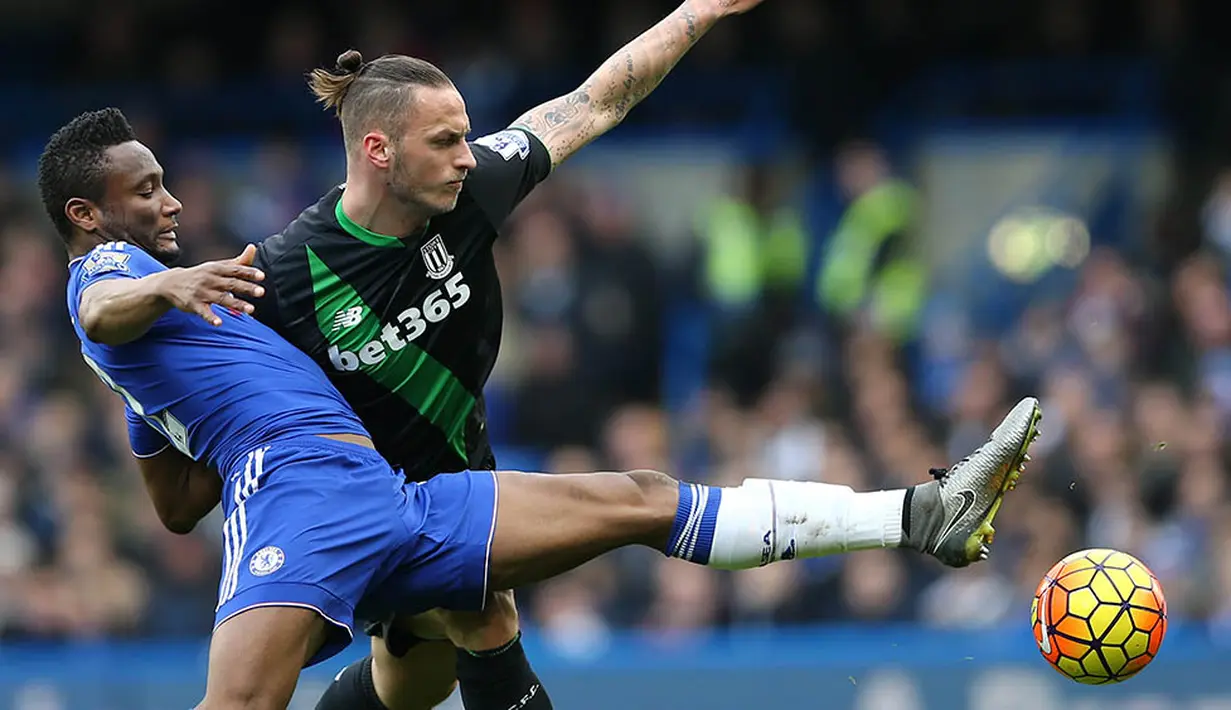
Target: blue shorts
[(329, 526)]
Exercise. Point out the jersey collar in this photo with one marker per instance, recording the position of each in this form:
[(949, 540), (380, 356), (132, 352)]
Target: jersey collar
[(364, 234)]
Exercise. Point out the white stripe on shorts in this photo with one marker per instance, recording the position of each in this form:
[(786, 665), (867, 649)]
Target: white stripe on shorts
[(235, 528)]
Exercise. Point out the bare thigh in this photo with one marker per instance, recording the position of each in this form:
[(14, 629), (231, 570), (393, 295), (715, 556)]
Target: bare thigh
[(255, 657), (549, 524)]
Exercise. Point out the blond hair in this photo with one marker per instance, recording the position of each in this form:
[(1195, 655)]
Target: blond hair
[(373, 95)]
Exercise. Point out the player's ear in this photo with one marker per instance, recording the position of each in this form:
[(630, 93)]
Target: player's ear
[(377, 149), (82, 213)]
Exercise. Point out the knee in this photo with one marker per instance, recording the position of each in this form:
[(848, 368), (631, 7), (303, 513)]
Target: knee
[(423, 678), (500, 609), (442, 693), (484, 630), (419, 696)]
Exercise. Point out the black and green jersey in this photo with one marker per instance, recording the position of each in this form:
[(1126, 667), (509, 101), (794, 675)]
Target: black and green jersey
[(407, 328)]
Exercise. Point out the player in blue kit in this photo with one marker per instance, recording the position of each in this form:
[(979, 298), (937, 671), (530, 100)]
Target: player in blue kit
[(319, 529)]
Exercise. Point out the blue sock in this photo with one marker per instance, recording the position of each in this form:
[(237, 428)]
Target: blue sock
[(692, 535)]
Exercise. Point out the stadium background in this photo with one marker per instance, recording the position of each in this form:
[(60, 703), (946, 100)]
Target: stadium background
[(1010, 198)]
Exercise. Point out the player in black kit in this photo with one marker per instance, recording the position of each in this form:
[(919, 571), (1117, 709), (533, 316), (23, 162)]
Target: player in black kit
[(408, 330), (407, 327), (389, 283)]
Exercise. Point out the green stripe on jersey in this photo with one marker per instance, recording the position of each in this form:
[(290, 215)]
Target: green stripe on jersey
[(359, 342), (364, 234)]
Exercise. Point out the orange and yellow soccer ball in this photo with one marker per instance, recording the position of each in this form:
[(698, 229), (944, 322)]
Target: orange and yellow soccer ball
[(1099, 616)]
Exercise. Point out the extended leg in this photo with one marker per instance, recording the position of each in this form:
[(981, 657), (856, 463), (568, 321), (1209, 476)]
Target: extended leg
[(548, 524)]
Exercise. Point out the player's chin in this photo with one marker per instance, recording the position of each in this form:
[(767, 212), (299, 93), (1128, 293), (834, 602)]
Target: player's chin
[(166, 249), (446, 204), (450, 196)]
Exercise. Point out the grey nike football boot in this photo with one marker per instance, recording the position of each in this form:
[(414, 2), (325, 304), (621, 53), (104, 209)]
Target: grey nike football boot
[(951, 518)]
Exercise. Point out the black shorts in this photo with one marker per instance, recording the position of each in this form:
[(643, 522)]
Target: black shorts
[(397, 641)]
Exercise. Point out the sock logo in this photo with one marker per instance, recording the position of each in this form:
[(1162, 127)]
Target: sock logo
[(534, 690), (789, 552), (767, 547)]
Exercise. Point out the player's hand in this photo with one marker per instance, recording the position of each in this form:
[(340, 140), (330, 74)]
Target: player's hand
[(733, 7), (196, 289)]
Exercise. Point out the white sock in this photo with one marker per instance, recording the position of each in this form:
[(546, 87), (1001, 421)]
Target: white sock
[(764, 521)]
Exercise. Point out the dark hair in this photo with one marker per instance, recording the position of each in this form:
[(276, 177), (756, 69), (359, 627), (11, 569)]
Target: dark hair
[(373, 94), (74, 161)]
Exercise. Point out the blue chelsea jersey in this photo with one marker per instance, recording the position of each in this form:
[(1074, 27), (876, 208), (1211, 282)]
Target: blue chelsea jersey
[(213, 392)]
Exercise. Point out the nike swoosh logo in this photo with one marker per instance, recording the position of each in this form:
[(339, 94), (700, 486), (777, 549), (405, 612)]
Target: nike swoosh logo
[(1044, 605), (968, 501)]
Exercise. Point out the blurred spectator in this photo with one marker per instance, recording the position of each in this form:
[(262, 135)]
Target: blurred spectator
[(750, 259), (872, 270)]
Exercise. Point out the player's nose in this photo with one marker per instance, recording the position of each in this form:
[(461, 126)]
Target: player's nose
[(466, 159), (172, 206)]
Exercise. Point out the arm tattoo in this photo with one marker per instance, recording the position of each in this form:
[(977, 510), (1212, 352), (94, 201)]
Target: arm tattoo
[(563, 124), (690, 18), (559, 113), (567, 123)]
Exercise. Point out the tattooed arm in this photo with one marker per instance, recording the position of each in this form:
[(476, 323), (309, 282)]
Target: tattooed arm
[(567, 123)]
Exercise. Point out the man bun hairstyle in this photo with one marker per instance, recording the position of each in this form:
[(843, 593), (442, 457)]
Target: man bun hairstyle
[(74, 162), (331, 87), (373, 95), (350, 61)]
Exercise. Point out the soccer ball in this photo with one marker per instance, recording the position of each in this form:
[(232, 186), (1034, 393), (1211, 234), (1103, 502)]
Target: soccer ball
[(1099, 616)]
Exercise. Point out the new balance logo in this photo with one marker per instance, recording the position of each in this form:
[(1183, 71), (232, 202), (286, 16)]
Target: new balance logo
[(409, 325), (348, 318)]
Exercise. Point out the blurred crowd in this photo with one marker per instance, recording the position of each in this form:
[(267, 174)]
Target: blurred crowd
[(1132, 370), (1133, 366), (834, 63)]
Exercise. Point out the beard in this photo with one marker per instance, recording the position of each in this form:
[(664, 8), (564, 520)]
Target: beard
[(164, 252), (418, 200), (167, 256)]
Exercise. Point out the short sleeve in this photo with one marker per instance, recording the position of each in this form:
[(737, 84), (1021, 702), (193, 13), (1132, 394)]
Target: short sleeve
[(116, 260), (113, 260), (144, 439), (508, 166)]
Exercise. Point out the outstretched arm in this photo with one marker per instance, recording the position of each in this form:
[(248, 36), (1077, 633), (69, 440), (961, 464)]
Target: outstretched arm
[(567, 123), (118, 311)]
